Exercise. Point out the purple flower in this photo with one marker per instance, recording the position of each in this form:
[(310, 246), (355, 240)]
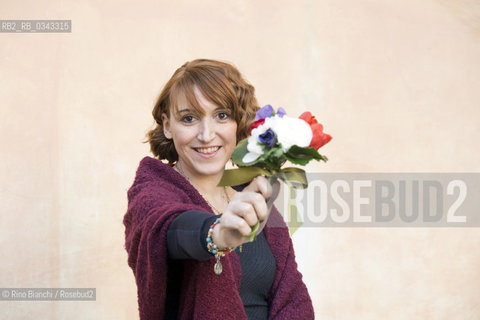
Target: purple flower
[(268, 138), (281, 112), (264, 112)]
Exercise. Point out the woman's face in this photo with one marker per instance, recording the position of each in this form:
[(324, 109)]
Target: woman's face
[(204, 143)]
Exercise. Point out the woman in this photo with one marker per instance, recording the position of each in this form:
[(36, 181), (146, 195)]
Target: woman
[(187, 239)]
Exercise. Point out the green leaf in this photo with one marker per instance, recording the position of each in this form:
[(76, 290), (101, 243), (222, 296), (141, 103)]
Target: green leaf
[(239, 152), (302, 156), (299, 161)]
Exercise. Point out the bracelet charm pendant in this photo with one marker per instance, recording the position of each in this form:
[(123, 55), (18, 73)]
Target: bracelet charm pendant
[(218, 268)]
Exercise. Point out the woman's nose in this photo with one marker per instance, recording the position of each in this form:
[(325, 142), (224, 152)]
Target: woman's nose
[(206, 132)]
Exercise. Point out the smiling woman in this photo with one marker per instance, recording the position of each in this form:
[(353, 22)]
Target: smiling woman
[(180, 223), (219, 83)]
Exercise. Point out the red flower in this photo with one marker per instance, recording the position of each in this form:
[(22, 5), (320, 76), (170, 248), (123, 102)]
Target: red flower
[(256, 124), (319, 137)]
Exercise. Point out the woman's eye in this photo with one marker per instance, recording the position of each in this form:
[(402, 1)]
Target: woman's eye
[(223, 116), (187, 119)]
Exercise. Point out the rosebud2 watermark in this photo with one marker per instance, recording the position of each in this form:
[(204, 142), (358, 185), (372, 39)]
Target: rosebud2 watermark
[(385, 200)]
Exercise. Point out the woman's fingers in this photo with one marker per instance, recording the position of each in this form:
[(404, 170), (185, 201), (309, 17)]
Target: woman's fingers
[(246, 211), (261, 185), (235, 222), (251, 206)]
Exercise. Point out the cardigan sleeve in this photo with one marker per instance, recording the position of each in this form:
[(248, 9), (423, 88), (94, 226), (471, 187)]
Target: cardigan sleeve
[(298, 305)]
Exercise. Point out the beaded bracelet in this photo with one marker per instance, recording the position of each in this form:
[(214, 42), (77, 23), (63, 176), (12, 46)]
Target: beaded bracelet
[(212, 248)]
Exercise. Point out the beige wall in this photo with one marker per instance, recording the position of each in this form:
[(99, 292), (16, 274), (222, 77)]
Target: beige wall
[(395, 82)]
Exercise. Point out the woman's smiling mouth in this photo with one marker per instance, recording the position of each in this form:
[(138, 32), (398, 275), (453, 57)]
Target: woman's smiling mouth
[(207, 150)]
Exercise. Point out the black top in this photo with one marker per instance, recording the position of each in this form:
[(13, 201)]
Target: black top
[(186, 239)]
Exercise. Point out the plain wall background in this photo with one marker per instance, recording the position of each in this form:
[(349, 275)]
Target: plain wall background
[(396, 83)]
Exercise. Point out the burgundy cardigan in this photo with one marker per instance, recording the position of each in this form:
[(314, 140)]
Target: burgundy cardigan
[(158, 195)]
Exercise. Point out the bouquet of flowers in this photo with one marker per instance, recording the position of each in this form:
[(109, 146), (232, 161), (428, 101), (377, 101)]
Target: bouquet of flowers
[(274, 139)]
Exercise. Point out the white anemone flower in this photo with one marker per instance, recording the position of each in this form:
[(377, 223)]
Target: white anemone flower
[(289, 131)]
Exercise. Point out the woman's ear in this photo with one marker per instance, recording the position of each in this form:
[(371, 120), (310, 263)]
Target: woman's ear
[(166, 126)]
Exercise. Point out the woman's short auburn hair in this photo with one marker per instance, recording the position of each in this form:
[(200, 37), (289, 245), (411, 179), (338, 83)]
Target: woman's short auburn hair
[(219, 82)]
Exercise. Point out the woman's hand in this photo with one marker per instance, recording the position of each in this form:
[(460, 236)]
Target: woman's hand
[(245, 209)]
